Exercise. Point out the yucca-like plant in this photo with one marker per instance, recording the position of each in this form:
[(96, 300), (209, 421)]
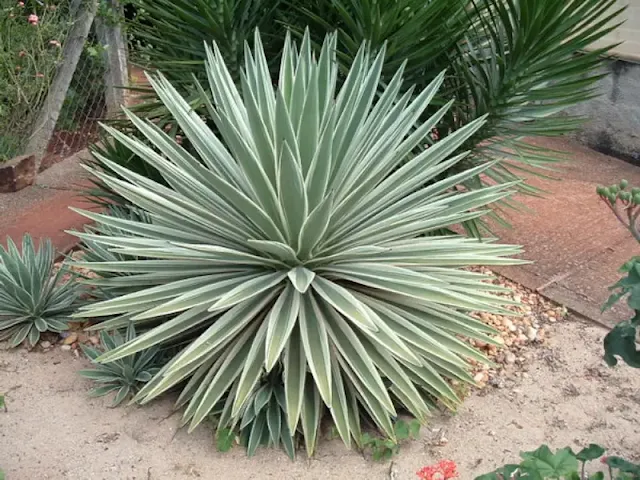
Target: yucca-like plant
[(33, 298), (105, 285), (124, 376), (519, 62), (299, 247)]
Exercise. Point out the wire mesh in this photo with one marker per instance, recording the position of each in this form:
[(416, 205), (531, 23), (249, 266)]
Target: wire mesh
[(32, 38), (83, 107)]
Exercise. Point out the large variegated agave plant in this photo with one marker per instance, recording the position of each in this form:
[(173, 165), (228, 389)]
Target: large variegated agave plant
[(297, 254)]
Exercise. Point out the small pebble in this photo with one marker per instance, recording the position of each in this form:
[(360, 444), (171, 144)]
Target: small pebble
[(510, 358), (480, 377), (72, 338), (94, 340), (532, 333), (66, 348), (45, 344)]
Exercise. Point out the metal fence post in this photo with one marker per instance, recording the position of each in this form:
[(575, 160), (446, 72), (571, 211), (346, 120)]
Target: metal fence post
[(50, 111), (116, 77)]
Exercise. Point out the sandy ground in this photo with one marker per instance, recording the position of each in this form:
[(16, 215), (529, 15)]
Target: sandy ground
[(52, 430)]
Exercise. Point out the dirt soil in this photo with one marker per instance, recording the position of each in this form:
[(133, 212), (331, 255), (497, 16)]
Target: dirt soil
[(569, 397)]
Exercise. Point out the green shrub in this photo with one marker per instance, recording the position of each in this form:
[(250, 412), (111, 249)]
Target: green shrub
[(624, 203), (126, 376), (33, 297), (29, 55), (296, 258), (543, 464)]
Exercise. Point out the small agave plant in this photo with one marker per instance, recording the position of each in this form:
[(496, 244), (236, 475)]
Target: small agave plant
[(33, 299), (299, 253), (124, 376)]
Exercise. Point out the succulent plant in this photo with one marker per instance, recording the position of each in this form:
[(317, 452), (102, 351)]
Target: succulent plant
[(34, 298), (303, 244), (125, 376)]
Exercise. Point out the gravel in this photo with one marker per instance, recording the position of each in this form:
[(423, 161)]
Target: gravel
[(518, 335)]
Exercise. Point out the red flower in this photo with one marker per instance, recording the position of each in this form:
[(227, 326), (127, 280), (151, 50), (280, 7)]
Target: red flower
[(443, 470), (22, 53), (604, 460), (33, 19), (21, 4)]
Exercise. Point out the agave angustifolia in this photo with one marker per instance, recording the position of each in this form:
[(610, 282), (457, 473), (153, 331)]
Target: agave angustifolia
[(297, 247), (124, 376), (33, 298)]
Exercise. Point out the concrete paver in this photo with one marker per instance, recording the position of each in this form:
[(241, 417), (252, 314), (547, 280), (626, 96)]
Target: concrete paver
[(575, 242), (42, 210)]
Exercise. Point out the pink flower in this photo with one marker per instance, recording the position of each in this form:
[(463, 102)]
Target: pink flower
[(55, 43), (443, 470), (22, 53), (604, 460), (21, 4), (39, 75), (33, 19)]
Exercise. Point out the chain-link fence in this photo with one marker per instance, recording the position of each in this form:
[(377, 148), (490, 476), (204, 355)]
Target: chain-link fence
[(56, 76), (84, 105)]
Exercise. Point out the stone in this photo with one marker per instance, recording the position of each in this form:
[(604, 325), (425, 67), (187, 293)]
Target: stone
[(510, 358), (65, 348), (17, 173), (94, 340), (480, 377), (71, 338), (45, 344), (532, 334)]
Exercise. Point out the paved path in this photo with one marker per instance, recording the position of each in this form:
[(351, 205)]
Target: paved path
[(43, 209), (573, 239)]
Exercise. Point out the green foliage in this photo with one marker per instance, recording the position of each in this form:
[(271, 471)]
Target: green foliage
[(519, 62), (123, 377), (33, 298), (95, 252), (621, 340), (120, 155), (383, 449), (543, 464), (172, 33), (297, 248), (264, 421), (3, 404), (29, 54)]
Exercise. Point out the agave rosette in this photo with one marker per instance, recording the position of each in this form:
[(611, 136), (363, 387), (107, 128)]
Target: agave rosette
[(302, 243), (34, 297)]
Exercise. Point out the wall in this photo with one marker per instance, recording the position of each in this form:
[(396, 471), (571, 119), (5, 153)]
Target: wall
[(613, 125), (628, 32), (613, 118)]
